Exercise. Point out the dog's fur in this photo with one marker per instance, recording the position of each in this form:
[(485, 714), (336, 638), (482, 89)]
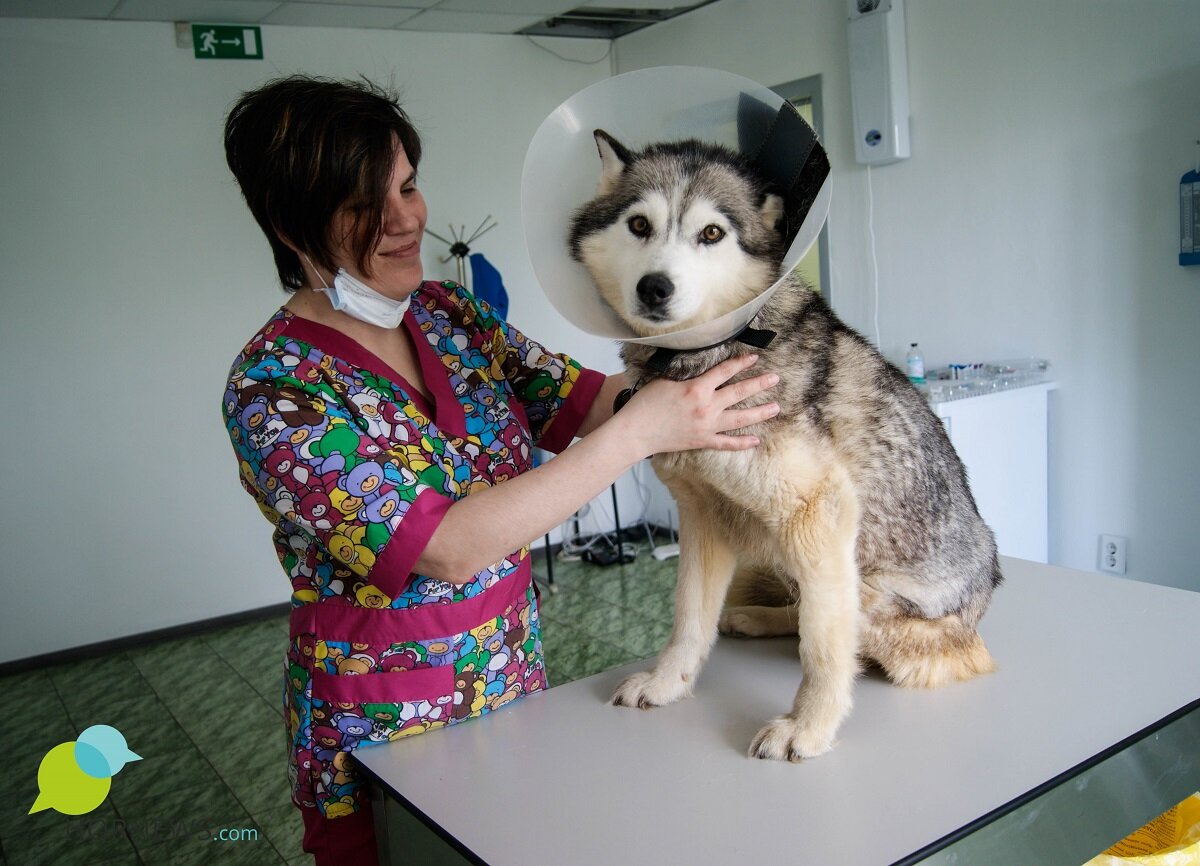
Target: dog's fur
[(851, 523)]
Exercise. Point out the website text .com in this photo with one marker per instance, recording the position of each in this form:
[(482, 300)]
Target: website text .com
[(162, 829)]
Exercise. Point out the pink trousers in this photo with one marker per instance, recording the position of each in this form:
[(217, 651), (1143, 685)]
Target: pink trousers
[(345, 841)]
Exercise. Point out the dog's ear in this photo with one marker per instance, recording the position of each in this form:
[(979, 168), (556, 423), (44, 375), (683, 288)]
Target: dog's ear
[(613, 160), (771, 210)]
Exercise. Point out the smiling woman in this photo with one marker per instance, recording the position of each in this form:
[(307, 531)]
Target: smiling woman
[(355, 445)]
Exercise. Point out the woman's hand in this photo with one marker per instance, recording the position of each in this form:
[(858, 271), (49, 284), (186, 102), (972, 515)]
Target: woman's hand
[(679, 416)]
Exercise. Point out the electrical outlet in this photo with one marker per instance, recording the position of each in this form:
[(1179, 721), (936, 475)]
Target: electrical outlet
[(1112, 553)]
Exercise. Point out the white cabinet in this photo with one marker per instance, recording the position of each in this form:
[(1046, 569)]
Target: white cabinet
[(1002, 439)]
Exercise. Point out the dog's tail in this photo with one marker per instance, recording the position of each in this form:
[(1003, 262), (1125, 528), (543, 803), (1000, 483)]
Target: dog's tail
[(925, 653)]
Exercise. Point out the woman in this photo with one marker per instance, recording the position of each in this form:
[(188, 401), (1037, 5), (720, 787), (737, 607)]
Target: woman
[(384, 426)]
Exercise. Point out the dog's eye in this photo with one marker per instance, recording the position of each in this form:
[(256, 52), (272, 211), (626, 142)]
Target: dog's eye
[(710, 234), (640, 226)]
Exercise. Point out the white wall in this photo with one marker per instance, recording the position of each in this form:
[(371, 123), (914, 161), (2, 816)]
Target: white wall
[(133, 273), (1037, 217)]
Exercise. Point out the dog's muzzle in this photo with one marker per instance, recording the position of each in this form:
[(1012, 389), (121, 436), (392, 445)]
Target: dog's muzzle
[(654, 291)]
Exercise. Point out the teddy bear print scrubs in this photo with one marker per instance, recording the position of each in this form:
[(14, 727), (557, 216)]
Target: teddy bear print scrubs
[(355, 470)]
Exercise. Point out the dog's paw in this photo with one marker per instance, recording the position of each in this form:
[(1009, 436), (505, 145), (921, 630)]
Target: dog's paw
[(649, 689), (741, 622), (758, 621), (786, 739)]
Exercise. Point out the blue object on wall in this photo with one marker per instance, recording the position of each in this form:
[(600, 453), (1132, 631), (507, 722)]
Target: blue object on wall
[(487, 285), (1189, 218)]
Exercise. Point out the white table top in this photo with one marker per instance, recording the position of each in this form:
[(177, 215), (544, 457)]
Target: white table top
[(562, 777)]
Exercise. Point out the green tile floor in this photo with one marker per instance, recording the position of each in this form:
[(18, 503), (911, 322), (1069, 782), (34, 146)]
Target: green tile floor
[(203, 714)]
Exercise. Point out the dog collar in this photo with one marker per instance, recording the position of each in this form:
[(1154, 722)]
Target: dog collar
[(759, 338), (662, 357)]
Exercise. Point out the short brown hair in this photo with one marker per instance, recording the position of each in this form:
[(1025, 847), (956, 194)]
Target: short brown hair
[(302, 148)]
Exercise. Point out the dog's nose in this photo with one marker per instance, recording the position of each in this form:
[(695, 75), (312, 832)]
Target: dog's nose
[(654, 289)]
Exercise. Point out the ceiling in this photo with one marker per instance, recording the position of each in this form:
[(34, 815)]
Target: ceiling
[(604, 19)]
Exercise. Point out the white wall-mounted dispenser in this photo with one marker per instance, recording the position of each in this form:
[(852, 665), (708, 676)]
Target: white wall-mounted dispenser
[(878, 81)]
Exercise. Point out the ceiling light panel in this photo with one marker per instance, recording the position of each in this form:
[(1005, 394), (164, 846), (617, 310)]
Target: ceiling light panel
[(443, 21), (392, 4), (62, 9), (210, 11), (541, 8), (339, 15)]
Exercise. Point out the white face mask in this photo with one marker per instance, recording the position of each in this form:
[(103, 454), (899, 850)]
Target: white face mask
[(355, 298)]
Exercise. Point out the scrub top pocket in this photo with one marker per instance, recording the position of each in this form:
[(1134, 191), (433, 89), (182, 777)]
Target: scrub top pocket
[(363, 709)]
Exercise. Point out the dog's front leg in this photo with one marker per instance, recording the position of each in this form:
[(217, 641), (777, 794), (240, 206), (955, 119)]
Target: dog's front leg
[(706, 565), (818, 541)]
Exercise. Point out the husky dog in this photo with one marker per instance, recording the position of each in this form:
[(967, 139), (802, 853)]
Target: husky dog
[(851, 524)]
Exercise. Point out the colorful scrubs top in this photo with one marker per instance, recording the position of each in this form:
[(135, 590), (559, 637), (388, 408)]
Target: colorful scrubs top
[(355, 470)]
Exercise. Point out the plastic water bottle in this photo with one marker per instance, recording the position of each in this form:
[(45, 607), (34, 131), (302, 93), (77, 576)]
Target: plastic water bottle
[(914, 362)]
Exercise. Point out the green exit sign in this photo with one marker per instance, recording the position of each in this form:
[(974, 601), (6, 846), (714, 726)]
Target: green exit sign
[(227, 42)]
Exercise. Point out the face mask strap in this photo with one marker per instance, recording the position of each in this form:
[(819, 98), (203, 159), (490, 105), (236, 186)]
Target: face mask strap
[(324, 285)]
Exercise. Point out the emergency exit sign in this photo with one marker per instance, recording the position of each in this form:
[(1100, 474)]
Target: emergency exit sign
[(226, 42)]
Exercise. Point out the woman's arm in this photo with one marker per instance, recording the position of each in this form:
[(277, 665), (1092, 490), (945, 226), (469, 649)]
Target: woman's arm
[(602, 407), (665, 416)]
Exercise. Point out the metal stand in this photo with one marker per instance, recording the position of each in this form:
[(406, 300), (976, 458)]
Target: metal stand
[(550, 567), (617, 520), (459, 247)]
